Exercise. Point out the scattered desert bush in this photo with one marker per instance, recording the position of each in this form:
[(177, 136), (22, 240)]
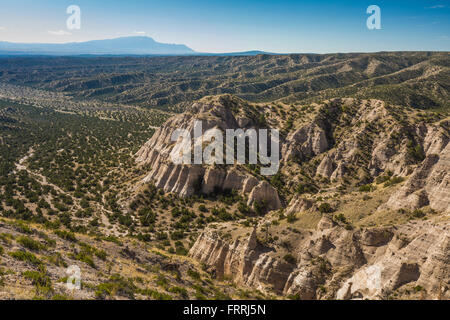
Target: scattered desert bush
[(325, 208), (289, 258), (26, 257)]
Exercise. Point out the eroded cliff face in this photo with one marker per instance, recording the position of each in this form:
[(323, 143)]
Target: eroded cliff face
[(223, 112), (378, 140), (343, 142), (342, 139), (336, 263), (339, 146), (430, 182), (308, 141), (245, 260)]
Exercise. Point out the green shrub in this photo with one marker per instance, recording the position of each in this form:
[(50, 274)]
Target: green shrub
[(393, 181), (180, 249), (162, 281), (112, 239), (57, 259), (219, 295), (177, 235), (244, 208), (161, 236), (340, 217), (30, 244), (305, 188), (25, 256), (418, 213), (277, 180), (418, 288), (324, 265), (66, 235), (116, 285), (155, 294), (178, 290), (381, 179), (416, 152), (260, 207), (289, 258), (291, 217), (193, 274), (225, 216), (199, 296), (146, 216), (326, 208), (126, 220), (85, 257), (23, 228), (101, 254), (86, 254), (60, 297), (366, 188), (6, 237), (39, 279)]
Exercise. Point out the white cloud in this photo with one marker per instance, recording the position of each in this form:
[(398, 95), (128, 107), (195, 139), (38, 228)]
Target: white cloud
[(139, 32), (2, 28), (438, 6), (60, 33)]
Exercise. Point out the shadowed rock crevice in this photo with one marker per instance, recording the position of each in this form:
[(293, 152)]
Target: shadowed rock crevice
[(323, 256)]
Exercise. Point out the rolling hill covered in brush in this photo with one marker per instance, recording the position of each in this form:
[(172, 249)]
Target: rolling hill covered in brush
[(359, 208), (416, 79)]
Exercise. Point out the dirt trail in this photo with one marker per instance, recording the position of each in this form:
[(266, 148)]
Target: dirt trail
[(20, 166), (109, 229)]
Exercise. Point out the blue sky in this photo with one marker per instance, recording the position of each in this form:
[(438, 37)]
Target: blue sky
[(237, 25)]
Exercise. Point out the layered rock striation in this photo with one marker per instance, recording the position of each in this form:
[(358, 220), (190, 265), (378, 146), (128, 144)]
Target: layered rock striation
[(222, 113), (336, 263)]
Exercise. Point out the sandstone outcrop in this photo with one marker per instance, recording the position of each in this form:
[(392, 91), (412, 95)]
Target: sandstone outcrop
[(423, 261), (298, 204), (264, 192), (382, 153), (346, 139), (381, 260), (305, 142), (342, 143), (223, 112), (247, 261), (430, 182)]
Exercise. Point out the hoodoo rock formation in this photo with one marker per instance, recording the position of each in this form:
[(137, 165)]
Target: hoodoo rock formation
[(344, 144), (340, 137), (332, 262), (430, 182), (223, 112)]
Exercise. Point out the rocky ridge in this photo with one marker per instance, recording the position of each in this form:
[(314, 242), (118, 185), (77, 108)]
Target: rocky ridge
[(186, 180), (343, 139), (332, 262), (361, 140), (339, 146)]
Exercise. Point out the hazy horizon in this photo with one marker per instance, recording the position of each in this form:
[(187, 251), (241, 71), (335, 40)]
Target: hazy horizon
[(204, 52), (236, 26)]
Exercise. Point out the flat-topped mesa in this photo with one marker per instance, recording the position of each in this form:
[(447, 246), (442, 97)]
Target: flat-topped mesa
[(216, 112)]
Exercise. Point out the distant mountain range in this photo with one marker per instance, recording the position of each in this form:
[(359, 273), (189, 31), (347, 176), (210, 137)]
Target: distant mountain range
[(126, 45), (140, 45)]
